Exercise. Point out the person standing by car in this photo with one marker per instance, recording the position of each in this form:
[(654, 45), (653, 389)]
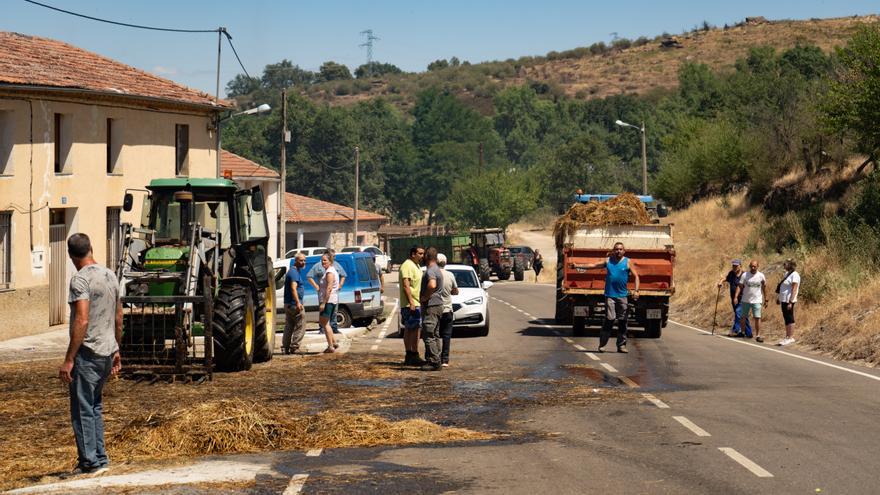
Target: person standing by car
[(431, 298), (537, 264), (294, 312), (788, 292), (316, 273), (751, 291), (410, 278), (450, 288), (732, 280), (618, 268), (328, 298), (93, 352)]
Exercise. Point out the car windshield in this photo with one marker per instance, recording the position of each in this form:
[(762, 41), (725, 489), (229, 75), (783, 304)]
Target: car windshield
[(466, 279)]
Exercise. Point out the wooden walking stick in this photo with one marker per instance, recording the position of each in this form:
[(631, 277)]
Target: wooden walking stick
[(715, 318)]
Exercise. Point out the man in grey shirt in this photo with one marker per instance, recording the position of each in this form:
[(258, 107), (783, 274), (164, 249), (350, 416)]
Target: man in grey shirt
[(431, 297), (93, 353), (450, 288)]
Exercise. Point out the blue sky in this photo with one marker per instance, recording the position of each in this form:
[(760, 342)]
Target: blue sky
[(412, 34)]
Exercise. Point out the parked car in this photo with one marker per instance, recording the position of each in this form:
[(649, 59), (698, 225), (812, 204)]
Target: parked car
[(309, 251), (523, 254), (382, 259), (470, 307), (360, 299)]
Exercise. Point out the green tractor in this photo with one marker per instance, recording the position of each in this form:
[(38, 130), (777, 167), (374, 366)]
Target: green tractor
[(199, 291)]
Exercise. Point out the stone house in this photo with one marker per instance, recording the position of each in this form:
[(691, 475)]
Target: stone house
[(312, 222)]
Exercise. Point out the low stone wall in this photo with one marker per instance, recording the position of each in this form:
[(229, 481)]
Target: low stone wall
[(24, 312)]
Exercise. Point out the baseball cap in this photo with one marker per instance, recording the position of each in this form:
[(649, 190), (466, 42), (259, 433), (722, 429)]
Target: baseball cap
[(736, 262), (441, 258)]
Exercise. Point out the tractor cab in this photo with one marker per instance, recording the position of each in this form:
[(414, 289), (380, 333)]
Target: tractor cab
[(492, 256)]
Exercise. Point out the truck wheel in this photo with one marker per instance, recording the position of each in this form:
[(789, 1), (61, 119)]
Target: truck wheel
[(233, 329), (579, 326), (519, 274), (264, 339), (563, 311), (653, 329), (343, 317)]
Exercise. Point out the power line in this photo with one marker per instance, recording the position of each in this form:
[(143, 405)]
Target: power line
[(138, 26), (229, 39)]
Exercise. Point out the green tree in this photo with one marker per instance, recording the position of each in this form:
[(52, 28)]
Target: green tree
[(284, 74), (494, 198), (852, 105), (242, 85), (331, 71), (376, 69), (585, 163), (438, 64)]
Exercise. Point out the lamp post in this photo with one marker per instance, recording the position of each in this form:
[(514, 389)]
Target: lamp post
[(644, 153), (251, 111)]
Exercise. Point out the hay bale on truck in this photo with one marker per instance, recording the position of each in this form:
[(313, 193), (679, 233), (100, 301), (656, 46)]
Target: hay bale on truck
[(586, 233)]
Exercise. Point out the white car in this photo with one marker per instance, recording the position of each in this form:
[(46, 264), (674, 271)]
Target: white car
[(382, 259), (309, 251), (471, 305)]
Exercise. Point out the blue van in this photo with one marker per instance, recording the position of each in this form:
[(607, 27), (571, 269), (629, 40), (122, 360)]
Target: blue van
[(360, 299)]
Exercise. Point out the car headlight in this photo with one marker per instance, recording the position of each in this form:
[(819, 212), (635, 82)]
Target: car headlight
[(476, 300)]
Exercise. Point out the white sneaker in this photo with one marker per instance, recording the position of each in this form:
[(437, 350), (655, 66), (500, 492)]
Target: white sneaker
[(786, 341)]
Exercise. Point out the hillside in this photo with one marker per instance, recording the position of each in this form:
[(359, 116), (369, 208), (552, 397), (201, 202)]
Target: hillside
[(583, 74)]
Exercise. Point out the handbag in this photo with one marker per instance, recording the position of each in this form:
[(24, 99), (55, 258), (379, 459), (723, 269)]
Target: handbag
[(779, 285)]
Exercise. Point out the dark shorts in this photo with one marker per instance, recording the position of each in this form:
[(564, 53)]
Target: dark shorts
[(788, 314), (412, 320), (329, 308)]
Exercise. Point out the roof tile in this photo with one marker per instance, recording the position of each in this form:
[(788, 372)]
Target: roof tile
[(43, 62), (302, 209), (242, 167)]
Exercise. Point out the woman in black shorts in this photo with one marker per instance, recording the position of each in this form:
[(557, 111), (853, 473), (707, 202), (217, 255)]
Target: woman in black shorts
[(788, 291), (537, 264)]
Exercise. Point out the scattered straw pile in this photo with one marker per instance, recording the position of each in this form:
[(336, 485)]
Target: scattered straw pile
[(624, 209), (232, 426)]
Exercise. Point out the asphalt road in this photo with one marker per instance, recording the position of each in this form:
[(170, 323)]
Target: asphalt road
[(687, 413), (738, 419)]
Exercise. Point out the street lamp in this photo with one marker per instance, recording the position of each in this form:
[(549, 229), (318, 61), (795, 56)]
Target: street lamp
[(252, 111), (644, 153)]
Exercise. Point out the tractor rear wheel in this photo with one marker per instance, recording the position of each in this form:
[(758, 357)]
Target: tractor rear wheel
[(504, 274), (233, 329), (485, 271), (265, 337)]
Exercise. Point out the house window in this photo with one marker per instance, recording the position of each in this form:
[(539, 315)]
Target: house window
[(181, 149), (113, 227), (5, 250), (6, 142), (63, 142), (114, 146)]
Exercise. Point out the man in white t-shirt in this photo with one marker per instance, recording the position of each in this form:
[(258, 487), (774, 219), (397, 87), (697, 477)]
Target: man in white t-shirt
[(751, 288)]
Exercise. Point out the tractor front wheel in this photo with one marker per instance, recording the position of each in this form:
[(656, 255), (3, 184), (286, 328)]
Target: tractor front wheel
[(519, 274), (234, 328), (265, 337)]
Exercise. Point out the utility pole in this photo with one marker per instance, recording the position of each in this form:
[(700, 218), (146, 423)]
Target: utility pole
[(285, 138), (369, 45), (220, 31), (644, 162), (357, 169)]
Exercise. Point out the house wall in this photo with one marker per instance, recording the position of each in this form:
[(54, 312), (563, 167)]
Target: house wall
[(335, 235), (85, 188)]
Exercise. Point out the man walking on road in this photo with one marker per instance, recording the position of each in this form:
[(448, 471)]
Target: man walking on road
[(450, 288), (294, 312), (751, 291), (410, 278), (618, 269), (732, 280), (93, 352), (431, 297)]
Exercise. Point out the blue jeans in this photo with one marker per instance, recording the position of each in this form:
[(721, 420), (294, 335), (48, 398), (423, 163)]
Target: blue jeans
[(737, 316), (90, 373)]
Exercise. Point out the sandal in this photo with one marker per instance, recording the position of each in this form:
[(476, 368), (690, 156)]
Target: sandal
[(329, 350), (760, 340), (336, 345)]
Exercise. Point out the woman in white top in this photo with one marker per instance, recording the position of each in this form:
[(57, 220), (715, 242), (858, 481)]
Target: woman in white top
[(328, 298), (788, 293)]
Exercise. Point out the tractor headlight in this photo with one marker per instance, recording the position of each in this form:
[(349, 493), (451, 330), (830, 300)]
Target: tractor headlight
[(476, 300)]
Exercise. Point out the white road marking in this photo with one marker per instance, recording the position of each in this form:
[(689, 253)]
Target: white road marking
[(657, 402), (382, 334), (568, 340), (691, 426), (378, 341), (766, 348), (593, 356), (746, 462), (580, 347), (296, 484), (608, 367), (374, 347), (628, 381), (314, 452)]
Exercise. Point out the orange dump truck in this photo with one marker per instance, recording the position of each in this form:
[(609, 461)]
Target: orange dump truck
[(580, 297)]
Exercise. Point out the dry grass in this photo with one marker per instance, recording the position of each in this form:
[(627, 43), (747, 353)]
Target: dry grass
[(623, 209), (845, 324)]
